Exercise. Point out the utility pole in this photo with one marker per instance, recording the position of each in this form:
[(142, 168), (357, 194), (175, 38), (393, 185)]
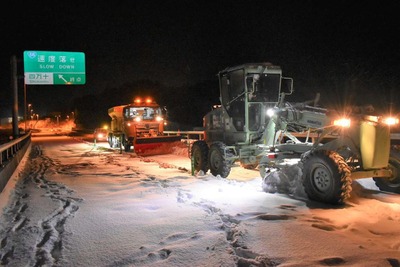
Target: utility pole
[(14, 86)]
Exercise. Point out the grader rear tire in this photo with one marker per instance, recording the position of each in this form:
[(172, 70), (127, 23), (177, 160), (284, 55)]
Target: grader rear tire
[(391, 184), (216, 158), (199, 156), (326, 177)]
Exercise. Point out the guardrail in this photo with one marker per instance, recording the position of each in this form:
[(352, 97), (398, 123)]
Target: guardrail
[(11, 155)]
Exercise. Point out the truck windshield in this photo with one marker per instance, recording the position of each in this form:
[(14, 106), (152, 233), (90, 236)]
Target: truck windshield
[(145, 113), (266, 88)]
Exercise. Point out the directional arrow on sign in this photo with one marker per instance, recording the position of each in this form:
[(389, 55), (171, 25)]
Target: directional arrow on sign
[(62, 78)]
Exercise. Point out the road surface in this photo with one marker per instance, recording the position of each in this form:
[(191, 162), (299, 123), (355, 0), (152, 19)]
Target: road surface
[(75, 203)]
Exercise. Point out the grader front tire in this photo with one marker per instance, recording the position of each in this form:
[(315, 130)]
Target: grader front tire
[(326, 177)]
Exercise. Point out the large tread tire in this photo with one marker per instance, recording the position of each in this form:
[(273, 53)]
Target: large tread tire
[(391, 184), (199, 156), (217, 162), (326, 177)]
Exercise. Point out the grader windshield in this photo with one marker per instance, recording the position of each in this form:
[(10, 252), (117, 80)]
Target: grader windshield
[(263, 88), (251, 83)]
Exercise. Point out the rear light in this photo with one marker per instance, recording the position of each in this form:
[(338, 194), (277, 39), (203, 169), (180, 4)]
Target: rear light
[(272, 155)]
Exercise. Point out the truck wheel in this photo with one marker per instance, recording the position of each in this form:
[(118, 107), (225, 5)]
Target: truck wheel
[(199, 156), (112, 141), (391, 184), (326, 177), (127, 145), (216, 158)]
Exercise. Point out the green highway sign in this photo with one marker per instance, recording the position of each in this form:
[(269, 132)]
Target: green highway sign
[(54, 67)]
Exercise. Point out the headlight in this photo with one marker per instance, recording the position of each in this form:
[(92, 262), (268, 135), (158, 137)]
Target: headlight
[(270, 112), (137, 119), (158, 118), (343, 122), (390, 121)]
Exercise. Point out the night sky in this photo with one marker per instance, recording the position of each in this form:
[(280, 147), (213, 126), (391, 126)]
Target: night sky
[(343, 49)]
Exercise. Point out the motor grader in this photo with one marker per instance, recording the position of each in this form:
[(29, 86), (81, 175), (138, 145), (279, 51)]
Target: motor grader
[(255, 126)]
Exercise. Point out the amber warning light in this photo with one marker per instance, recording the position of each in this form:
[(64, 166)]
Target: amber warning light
[(147, 100)]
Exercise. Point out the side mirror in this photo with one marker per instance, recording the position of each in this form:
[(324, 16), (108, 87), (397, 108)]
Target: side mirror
[(287, 85), (250, 84)]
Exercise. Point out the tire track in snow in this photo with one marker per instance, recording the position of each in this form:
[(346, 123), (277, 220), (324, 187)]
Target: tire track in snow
[(49, 232), (231, 225)]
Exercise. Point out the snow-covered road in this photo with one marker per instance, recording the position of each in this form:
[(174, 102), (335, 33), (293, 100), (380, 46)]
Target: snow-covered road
[(76, 204)]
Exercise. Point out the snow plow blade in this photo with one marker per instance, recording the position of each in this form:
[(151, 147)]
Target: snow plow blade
[(146, 144)]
